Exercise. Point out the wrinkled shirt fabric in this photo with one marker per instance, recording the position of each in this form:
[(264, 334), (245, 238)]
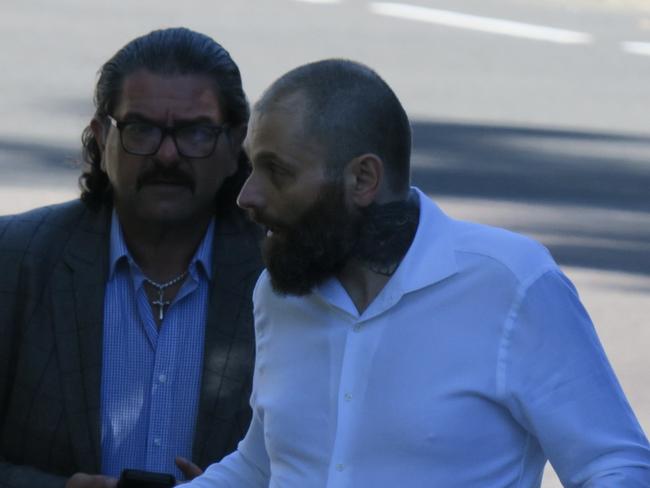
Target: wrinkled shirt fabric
[(474, 365)]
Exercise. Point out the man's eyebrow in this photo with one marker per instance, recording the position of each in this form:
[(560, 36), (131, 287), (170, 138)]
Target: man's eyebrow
[(137, 116), (270, 160), (270, 155), (199, 120)]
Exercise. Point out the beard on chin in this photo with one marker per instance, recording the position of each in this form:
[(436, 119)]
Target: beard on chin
[(316, 247)]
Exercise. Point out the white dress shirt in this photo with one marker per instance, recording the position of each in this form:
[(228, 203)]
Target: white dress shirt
[(474, 364)]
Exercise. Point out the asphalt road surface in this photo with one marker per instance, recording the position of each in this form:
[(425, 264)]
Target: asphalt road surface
[(528, 114)]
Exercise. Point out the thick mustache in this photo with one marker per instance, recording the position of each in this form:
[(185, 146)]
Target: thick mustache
[(172, 177)]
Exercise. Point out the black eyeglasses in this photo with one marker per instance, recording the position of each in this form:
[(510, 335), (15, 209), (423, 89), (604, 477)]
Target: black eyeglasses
[(144, 138)]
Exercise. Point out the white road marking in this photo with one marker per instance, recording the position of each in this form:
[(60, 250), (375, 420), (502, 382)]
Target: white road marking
[(319, 1), (484, 24), (642, 48)]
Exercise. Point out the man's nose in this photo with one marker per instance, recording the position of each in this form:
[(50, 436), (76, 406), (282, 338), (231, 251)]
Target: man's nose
[(251, 197), (168, 151)]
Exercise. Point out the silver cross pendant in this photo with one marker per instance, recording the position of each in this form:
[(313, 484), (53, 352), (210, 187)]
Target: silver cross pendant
[(161, 303)]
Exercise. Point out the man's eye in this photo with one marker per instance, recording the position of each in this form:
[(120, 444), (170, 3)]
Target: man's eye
[(197, 134), (276, 169), (139, 129)]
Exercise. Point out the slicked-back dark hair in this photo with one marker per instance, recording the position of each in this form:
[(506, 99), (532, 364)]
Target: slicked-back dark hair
[(351, 111), (166, 52)]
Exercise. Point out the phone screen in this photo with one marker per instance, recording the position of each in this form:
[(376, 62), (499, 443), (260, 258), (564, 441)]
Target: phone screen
[(133, 478)]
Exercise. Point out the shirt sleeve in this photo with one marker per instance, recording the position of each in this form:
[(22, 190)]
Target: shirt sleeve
[(560, 386), (247, 467)]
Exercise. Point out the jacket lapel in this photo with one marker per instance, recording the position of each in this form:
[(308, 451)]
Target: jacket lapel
[(229, 342), (78, 299)]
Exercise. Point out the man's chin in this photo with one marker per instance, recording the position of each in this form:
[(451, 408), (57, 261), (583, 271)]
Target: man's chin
[(283, 290), (166, 187), (294, 287), (290, 276), (170, 213)]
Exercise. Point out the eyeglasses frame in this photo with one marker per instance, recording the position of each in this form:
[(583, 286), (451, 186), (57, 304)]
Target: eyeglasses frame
[(167, 130)]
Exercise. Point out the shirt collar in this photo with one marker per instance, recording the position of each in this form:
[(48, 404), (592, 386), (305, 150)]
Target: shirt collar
[(432, 255), (117, 247), (119, 252)]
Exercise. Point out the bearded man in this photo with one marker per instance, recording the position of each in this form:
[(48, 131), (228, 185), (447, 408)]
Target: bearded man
[(397, 346)]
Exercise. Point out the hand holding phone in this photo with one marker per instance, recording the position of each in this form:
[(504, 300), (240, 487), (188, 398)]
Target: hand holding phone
[(83, 480), (133, 478)]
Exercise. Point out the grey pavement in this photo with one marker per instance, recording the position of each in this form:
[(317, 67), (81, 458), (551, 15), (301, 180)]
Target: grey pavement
[(548, 139)]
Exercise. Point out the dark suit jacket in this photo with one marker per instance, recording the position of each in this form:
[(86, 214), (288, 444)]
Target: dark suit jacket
[(53, 271)]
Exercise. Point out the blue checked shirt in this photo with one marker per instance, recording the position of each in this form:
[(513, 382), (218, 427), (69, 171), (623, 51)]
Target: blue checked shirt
[(151, 377)]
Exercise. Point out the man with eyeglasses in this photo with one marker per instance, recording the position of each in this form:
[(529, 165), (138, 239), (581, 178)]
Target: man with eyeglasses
[(125, 316)]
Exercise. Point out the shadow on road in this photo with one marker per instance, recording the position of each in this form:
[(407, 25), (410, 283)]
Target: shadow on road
[(524, 164), (605, 176), (15, 155)]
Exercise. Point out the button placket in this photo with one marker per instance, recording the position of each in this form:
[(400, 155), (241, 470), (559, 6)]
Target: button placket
[(354, 354), (160, 395)]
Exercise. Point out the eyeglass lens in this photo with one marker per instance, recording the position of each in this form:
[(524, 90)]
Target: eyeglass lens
[(192, 141)]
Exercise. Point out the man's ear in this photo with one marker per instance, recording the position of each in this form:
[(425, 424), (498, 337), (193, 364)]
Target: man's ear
[(363, 177), (99, 131)]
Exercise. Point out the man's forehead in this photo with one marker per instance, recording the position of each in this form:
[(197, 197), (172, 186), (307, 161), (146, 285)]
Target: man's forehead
[(281, 136), (289, 109), (158, 95), (274, 124)]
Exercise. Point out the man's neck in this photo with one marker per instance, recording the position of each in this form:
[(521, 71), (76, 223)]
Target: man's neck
[(361, 283), (387, 232), (163, 251)]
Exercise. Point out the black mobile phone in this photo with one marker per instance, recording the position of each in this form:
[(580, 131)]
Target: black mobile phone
[(134, 478)]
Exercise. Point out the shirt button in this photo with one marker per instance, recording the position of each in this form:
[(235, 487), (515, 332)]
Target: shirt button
[(348, 397), (162, 378), (157, 441), (356, 328), (340, 467)]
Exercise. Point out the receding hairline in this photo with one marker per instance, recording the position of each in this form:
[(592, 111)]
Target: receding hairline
[(295, 103)]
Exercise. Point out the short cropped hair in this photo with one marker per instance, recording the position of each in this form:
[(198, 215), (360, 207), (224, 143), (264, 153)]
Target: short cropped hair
[(173, 51), (351, 110)]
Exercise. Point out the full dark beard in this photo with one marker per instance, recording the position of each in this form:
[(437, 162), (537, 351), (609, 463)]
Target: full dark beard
[(316, 247), (329, 234)]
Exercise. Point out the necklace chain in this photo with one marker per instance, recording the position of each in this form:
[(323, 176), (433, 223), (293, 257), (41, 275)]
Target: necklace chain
[(161, 287)]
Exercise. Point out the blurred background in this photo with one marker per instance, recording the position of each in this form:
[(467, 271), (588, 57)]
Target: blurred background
[(533, 115)]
